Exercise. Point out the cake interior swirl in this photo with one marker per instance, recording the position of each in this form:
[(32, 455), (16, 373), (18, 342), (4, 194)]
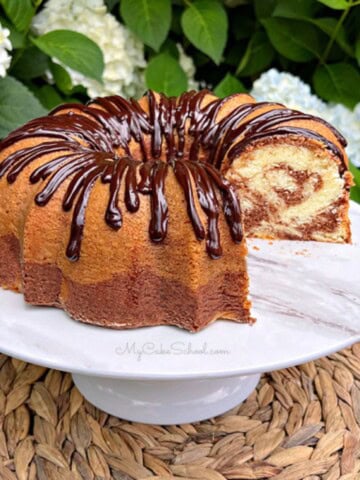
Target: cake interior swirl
[(132, 213)]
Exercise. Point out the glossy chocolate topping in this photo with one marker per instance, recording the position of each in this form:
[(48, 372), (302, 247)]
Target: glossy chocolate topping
[(117, 142)]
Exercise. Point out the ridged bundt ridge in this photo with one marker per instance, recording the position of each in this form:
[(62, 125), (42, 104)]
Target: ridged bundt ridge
[(91, 159)]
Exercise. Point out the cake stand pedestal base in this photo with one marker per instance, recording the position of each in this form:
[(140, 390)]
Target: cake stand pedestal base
[(165, 402)]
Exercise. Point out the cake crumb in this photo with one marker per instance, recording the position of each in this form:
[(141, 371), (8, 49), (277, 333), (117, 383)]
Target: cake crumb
[(270, 242), (304, 253), (256, 248)]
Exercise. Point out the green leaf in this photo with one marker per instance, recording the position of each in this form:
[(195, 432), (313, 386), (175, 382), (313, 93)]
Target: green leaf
[(149, 19), (355, 190), (338, 82), (71, 100), (294, 8), (357, 49), (48, 97), (355, 194), (294, 39), (258, 55), (31, 64), (61, 78), (78, 89), (74, 50), (164, 74), (336, 4), (264, 8), (205, 24), (17, 39), (229, 85), (17, 105), (356, 173), (328, 26), (20, 12), (298, 10)]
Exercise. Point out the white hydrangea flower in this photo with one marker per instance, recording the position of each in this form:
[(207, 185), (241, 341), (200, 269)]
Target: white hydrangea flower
[(123, 52), (286, 88), (187, 64), (5, 47)]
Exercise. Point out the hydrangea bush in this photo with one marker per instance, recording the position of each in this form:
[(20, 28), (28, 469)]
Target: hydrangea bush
[(275, 86), (123, 52), (303, 53), (5, 47)]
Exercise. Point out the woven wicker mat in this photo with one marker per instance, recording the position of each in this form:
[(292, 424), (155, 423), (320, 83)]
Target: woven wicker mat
[(301, 423)]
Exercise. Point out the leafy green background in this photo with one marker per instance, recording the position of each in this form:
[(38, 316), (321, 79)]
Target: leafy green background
[(231, 41)]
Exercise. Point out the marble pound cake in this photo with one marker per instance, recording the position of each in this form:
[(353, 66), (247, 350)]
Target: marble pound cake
[(127, 214), (291, 171)]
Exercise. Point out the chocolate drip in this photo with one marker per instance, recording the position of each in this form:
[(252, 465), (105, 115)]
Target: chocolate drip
[(113, 215), (277, 116), (183, 177), (210, 205), (295, 131), (96, 142), (132, 200), (78, 220), (159, 207), (232, 208), (45, 170), (145, 182)]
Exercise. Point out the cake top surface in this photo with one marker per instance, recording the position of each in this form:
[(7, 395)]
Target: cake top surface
[(132, 144)]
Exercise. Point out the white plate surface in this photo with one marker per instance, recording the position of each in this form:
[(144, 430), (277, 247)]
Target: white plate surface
[(306, 298)]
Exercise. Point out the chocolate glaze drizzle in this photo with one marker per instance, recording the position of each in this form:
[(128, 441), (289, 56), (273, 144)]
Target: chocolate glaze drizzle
[(96, 142)]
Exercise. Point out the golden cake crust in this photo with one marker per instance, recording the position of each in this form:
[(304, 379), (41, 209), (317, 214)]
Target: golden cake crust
[(121, 248)]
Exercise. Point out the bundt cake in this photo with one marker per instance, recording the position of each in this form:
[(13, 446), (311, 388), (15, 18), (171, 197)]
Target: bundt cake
[(126, 213)]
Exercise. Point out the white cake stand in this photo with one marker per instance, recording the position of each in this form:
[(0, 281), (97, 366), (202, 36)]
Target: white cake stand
[(306, 298)]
